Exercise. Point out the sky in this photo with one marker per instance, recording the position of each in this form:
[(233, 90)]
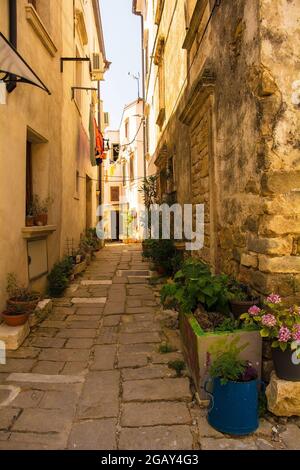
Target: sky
[(122, 36)]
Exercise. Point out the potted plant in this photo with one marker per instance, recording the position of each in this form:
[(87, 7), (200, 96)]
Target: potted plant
[(161, 253), (21, 302), (58, 278), (15, 317), (234, 395), (240, 298), (205, 320), (281, 325), (29, 216), (41, 208)]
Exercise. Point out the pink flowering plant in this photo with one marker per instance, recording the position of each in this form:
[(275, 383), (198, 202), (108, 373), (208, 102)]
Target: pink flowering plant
[(277, 322)]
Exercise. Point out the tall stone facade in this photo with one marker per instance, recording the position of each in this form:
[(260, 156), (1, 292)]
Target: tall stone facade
[(231, 129)]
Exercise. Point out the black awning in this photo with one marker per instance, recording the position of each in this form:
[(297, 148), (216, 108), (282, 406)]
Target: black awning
[(13, 67)]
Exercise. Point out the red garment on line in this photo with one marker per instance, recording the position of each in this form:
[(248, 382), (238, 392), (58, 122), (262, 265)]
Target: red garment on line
[(99, 144)]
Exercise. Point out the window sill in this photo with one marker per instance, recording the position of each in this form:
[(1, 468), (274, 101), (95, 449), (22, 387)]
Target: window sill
[(38, 232), (35, 21)]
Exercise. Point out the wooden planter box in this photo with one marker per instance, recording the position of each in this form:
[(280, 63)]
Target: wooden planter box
[(196, 346)]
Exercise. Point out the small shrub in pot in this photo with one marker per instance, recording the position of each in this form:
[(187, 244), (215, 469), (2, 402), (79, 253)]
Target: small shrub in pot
[(21, 299), (234, 396)]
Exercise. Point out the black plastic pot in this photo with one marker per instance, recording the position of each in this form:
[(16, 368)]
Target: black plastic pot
[(238, 307), (284, 367)]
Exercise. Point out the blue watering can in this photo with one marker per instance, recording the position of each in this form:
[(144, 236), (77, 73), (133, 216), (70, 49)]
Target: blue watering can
[(233, 406)]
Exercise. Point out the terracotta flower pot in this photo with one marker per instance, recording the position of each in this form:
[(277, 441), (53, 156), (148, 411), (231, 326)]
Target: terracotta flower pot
[(284, 367), (29, 221), (22, 306), (238, 307), (41, 219), (14, 319)]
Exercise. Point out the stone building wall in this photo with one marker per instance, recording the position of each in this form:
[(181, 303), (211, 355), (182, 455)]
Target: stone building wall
[(235, 135)]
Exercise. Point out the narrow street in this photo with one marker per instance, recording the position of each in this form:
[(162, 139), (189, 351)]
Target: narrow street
[(91, 374)]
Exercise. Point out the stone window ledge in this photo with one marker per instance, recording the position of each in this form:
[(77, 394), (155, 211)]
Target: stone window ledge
[(38, 26), (38, 232)]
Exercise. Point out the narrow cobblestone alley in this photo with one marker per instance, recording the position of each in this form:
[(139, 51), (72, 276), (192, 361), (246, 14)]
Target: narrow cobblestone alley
[(91, 375)]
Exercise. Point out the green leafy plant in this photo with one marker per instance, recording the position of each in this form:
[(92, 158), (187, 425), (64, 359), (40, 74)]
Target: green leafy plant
[(58, 279), (149, 190), (229, 324), (18, 292), (239, 292), (178, 366), (227, 365), (41, 206), (276, 322), (161, 252), (194, 284)]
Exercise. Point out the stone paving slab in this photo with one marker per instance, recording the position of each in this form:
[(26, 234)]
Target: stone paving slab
[(79, 343), (157, 389), (156, 438), (24, 353), (47, 379), (49, 342), (89, 282), (94, 435), (8, 417), (65, 355), (88, 300), (33, 441), (104, 358), (48, 367), (114, 308), (43, 421), (139, 338), (18, 365), (28, 399), (100, 395), (74, 368), (228, 444), (152, 414), (77, 333), (138, 327), (113, 320), (97, 311), (149, 372), (132, 360)]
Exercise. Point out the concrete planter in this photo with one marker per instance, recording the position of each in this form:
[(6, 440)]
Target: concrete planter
[(196, 347)]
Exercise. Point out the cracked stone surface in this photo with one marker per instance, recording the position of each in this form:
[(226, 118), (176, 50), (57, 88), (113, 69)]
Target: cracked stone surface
[(91, 375)]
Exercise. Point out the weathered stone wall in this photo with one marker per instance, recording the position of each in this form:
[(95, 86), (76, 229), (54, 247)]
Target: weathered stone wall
[(245, 164)]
